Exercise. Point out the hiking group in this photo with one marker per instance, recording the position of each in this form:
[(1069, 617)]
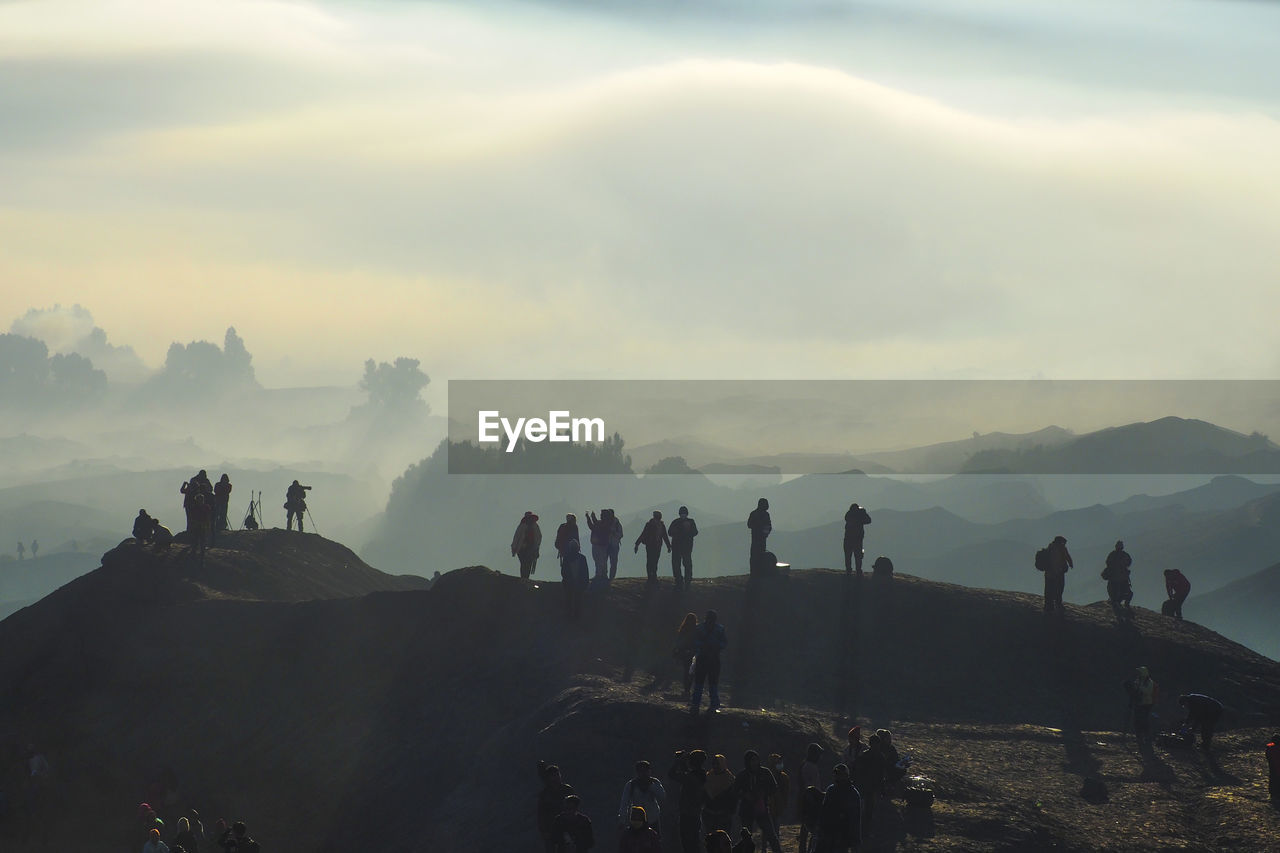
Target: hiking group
[(1054, 561), (189, 834), (205, 505), (714, 805)]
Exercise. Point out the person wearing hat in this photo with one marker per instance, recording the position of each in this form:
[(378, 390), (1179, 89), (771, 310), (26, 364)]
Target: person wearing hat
[(1055, 573), (645, 791), (1119, 584), (681, 532), (810, 793), (525, 544), (639, 836)]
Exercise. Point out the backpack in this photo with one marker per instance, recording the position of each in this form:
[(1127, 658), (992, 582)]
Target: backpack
[(1042, 560)]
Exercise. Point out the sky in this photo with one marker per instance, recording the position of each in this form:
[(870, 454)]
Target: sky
[(915, 189)]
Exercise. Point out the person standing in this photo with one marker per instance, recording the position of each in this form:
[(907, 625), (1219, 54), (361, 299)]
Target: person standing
[(841, 816), (717, 813), (572, 828), (760, 525), (599, 542), (615, 542), (1056, 564), (551, 803), (685, 649), (754, 787), (710, 643), (22, 550), (855, 528), (221, 503), (1117, 576), (681, 533), (1143, 694), (810, 787), (566, 533), (688, 771), (574, 577), (643, 791), (1272, 754), (653, 536), (1178, 587), (295, 504), (526, 543)]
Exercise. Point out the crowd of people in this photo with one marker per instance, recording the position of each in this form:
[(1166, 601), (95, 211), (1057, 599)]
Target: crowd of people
[(1054, 561), (714, 805), (189, 835)]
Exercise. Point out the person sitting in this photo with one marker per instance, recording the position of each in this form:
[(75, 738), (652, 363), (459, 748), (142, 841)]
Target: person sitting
[(142, 528)]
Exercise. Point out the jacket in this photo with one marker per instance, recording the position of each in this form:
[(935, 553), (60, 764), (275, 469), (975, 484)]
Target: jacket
[(653, 535), (682, 530), (754, 788), (528, 536), (759, 522), (1176, 584), (576, 827), (564, 534), (855, 520), (693, 785), (649, 796), (710, 640)]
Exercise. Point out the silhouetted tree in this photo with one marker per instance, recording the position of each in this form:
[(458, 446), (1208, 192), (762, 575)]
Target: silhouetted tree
[(200, 367), (31, 379), (395, 386)]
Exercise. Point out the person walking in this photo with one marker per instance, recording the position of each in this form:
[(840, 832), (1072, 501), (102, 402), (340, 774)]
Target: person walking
[(1119, 584), (1055, 565), (653, 536), (710, 643)]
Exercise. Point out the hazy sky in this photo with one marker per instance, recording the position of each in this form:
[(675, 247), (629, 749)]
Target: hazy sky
[(976, 188)]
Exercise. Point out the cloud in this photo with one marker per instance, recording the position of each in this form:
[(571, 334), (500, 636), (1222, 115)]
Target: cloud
[(657, 214)]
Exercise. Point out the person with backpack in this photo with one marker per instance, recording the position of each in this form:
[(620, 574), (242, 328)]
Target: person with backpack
[(760, 525), (686, 645), (1203, 713), (295, 504), (572, 828), (1054, 561), (855, 526), (681, 532), (1178, 588), (566, 532), (551, 802), (643, 791), (753, 788), (525, 544), (1116, 574), (653, 536), (709, 643), (1143, 695), (840, 820), (687, 771), (574, 577)]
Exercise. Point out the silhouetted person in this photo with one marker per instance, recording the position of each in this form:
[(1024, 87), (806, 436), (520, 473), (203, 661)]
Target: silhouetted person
[(1272, 754), (688, 770), (810, 818), (754, 786), (574, 577), (600, 530), (566, 532), (237, 840), (760, 525), (868, 778), (1143, 694), (615, 542), (710, 642), (681, 531), (143, 527), (551, 802), (1203, 713), (721, 799), (855, 528), (894, 766), (185, 837), (1178, 587), (882, 568), (810, 784), (572, 828), (639, 836), (201, 522), (295, 504), (526, 543), (1057, 564), (22, 550), (841, 820), (154, 844), (1117, 576), (653, 536), (685, 648), (782, 797), (35, 548), (221, 502)]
